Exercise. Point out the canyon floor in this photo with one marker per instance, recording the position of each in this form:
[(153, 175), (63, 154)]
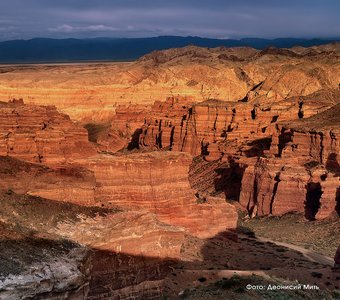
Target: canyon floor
[(191, 173)]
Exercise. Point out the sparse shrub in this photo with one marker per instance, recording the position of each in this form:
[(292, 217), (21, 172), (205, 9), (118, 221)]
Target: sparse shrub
[(311, 164), (316, 274), (201, 200), (9, 192), (336, 294), (226, 283), (239, 290)]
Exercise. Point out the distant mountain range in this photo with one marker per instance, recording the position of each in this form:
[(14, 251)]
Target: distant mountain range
[(122, 49)]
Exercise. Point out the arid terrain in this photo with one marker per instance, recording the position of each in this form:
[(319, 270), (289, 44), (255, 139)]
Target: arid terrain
[(190, 173)]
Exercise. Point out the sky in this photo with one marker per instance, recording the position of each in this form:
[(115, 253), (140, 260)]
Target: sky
[(24, 19)]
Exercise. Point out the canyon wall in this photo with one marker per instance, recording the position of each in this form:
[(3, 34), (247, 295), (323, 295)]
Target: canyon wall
[(154, 182), (135, 189), (301, 170), (40, 134), (92, 92), (62, 183), (268, 159), (67, 251), (158, 182), (213, 128)]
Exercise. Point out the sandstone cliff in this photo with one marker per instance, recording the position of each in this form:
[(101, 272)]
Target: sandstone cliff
[(91, 92), (301, 171), (40, 134), (54, 250), (267, 155), (153, 182), (147, 181), (62, 183), (158, 182)]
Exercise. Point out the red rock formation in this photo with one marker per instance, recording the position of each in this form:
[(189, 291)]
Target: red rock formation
[(63, 183), (212, 128), (91, 92), (125, 128), (40, 134), (244, 131), (126, 251), (155, 182), (301, 172), (158, 182)]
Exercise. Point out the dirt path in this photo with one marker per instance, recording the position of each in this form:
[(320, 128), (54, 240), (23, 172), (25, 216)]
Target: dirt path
[(311, 255)]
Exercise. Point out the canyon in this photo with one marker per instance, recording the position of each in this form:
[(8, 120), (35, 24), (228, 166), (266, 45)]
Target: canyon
[(131, 180), (91, 92)]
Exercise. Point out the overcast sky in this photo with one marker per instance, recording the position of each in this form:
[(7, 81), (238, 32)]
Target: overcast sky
[(141, 18)]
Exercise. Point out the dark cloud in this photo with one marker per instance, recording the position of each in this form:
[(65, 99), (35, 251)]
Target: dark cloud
[(135, 18)]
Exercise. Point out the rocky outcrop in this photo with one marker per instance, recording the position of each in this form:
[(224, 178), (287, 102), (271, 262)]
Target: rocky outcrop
[(158, 182), (34, 267), (267, 158), (213, 128), (60, 276), (124, 129), (134, 200), (92, 92), (270, 187), (40, 134), (301, 171), (154, 182), (63, 183), (42, 256)]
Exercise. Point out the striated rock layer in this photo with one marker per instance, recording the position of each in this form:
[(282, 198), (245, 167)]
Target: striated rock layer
[(301, 171), (122, 254), (40, 134), (91, 92), (213, 128), (62, 183), (158, 182), (154, 182), (272, 163)]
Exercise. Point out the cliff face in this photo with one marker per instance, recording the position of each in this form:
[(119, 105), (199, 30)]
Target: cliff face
[(158, 182), (65, 251), (274, 163), (301, 171), (153, 182), (62, 183), (40, 134), (135, 194), (91, 92), (214, 128)]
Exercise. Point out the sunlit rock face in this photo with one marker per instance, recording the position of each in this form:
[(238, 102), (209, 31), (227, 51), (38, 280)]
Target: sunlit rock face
[(166, 149), (92, 92), (212, 128), (40, 134), (154, 182), (62, 183), (158, 182), (280, 165), (301, 172)]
